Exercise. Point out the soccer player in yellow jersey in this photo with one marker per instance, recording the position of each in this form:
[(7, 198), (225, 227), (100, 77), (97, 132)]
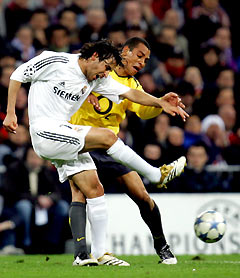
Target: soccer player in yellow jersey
[(135, 54)]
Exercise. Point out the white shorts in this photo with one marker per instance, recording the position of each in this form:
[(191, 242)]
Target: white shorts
[(61, 143)]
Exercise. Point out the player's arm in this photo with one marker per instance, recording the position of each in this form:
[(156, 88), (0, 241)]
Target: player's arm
[(164, 103), (10, 122)]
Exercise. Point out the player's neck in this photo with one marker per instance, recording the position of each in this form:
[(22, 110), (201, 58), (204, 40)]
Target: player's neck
[(82, 64), (120, 71)]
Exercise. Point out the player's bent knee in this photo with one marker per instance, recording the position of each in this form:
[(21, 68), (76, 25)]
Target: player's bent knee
[(109, 138)]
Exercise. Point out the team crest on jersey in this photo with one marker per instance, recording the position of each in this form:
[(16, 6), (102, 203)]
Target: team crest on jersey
[(30, 70)]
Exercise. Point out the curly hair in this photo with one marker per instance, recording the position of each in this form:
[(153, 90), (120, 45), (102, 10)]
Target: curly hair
[(104, 48)]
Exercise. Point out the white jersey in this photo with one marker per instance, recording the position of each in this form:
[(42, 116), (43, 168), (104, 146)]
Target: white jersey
[(58, 86)]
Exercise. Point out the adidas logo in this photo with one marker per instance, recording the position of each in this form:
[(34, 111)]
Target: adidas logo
[(62, 84)]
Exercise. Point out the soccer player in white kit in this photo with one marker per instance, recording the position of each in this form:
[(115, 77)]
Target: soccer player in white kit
[(60, 83)]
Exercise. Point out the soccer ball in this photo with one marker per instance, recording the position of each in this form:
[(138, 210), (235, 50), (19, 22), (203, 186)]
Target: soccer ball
[(210, 226)]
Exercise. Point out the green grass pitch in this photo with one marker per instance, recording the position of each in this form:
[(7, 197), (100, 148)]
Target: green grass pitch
[(54, 266)]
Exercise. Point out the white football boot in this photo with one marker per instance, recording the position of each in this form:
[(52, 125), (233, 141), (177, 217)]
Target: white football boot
[(109, 259), (171, 171)]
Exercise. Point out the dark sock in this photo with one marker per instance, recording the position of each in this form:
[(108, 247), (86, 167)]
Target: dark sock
[(77, 221), (153, 219)]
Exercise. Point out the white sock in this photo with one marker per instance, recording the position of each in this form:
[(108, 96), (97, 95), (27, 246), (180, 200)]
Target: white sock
[(97, 216), (126, 156)]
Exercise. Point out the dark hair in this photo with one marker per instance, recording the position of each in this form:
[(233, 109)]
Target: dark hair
[(49, 31), (116, 28), (135, 41), (39, 11), (185, 88), (104, 48), (67, 9), (200, 143)]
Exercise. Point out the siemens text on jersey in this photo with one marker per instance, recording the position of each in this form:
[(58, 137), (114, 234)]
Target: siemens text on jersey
[(65, 95)]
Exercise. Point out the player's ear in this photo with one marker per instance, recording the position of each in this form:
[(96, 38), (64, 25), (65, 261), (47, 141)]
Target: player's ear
[(94, 56), (125, 50)]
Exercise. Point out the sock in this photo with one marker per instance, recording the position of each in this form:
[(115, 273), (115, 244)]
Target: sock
[(77, 221), (126, 156), (153, 219), (97, 216)]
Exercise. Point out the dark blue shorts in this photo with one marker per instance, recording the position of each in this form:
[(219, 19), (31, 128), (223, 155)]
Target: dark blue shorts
[(107, 167)]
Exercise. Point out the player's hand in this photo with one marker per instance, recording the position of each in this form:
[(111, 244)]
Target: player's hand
[(172, 109), (10, 123), (94, 101), (173, 99)]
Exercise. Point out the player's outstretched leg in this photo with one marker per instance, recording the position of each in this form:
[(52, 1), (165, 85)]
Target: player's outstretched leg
[(171, 171), (109, 259), (166, 256)]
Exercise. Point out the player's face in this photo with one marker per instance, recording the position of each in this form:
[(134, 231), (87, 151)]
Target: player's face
[(134, 60), (99, 69)]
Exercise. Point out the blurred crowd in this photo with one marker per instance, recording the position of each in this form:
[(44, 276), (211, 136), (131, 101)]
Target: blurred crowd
[(194, 52)]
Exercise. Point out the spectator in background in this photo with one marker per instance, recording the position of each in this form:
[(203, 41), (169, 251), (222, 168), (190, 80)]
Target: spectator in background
[(96, 26), (136, 13), (149, 85), (23, 43), (10, 222), (135, 31), (16, 13), (215, 137), (209, 63), (171, 71), (80, 7), (175, 141), (58, 38), (196, 179), (225, 78), (161, 129), (116, 34), (205, 19), (187, 94), (149, 15), (152, 153), (167, 36), (213, 11), (37, 193), (222, 39), (185, 91), (8, 58), (229, 115), (192, 131), (225, 96), (53, 7), (39, 22), (14, 147), (172, 18), (68, 18), (194, 76)]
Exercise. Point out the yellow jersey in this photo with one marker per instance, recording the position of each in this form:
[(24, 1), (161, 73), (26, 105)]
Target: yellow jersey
[(112, 114)]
